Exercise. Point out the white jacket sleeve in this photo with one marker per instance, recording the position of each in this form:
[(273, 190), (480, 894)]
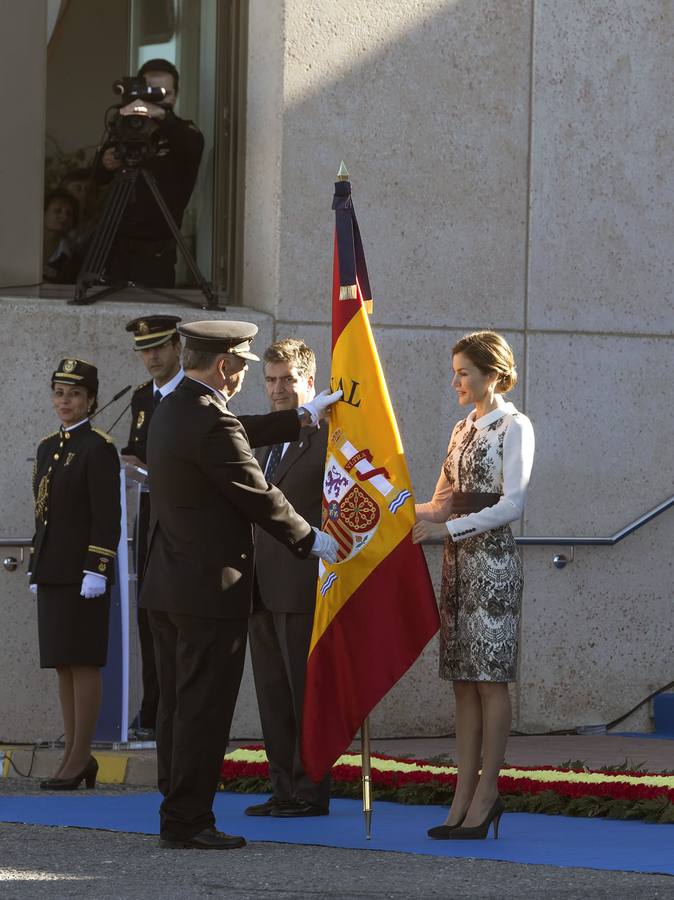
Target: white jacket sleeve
[(518, 458)]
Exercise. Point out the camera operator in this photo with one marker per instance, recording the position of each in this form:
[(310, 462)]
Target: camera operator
[(144, 250)]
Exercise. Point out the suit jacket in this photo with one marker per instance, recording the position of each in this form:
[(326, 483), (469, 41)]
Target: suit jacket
[(142, 407), (206, 491), (77, 506), (282, 583)]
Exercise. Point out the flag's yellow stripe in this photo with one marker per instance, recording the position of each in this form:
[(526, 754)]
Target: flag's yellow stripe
[(372, 426)]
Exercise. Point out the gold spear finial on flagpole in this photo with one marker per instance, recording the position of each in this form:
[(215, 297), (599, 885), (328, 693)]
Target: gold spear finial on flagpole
[(350, 292)]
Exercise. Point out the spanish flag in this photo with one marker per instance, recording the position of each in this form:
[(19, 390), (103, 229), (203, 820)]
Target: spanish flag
[(375, 608)]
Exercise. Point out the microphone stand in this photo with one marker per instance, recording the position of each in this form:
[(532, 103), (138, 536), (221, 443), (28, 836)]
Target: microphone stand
[(114, 399), (119, 417)]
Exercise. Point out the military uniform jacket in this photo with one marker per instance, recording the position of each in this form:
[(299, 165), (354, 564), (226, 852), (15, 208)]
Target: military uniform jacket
[(77, 506), (142, 407), (283, 583), (206, 491)]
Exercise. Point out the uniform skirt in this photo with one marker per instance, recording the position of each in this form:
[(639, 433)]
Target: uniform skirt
[(72, 630)]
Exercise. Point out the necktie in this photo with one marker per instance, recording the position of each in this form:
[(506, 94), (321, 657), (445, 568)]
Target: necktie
[(157, 398), (273, 460)]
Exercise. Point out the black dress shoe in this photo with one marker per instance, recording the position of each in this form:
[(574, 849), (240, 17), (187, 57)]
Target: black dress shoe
[(480, 832), (297, 809), (88, 775), (442, 832), (267, 808), (208, 839)]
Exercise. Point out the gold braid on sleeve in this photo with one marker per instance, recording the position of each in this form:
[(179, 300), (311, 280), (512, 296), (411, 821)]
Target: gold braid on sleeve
[(42, 498)]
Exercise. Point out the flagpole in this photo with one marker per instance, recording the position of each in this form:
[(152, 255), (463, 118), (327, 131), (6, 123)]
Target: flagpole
[(366, 770)]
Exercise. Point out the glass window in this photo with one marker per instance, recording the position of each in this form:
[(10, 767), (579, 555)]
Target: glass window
[(91, 45)]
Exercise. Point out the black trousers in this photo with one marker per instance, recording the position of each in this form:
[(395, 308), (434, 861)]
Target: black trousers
[(147, 716), (199, 664), (279, 646), (147, 263)]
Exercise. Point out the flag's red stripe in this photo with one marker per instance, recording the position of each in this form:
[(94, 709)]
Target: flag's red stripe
[(368, 646), (342, 310), (340, 533)]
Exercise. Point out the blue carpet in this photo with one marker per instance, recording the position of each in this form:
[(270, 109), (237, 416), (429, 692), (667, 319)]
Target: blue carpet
[(524, 838)]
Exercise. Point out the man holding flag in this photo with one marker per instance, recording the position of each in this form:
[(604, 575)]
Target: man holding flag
[(280, 627)]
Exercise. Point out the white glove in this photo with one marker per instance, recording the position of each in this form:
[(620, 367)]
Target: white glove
[(325, 546), (31, 587), (93, 585), (319, 407)]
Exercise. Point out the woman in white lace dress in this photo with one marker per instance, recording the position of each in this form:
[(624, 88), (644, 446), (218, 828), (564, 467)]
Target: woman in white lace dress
[(481, 489)]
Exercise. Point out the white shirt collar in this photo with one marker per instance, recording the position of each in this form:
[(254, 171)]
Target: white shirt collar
[(504, 408), (73, 427), (170, 385)]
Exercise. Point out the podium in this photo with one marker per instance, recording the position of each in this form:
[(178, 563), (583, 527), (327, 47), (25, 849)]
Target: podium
[(120, 676)]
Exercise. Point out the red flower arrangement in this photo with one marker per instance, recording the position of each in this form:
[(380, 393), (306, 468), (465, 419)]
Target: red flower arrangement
[(579, 792)]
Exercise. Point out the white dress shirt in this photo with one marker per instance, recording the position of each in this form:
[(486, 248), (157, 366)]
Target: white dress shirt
[(170, 385)]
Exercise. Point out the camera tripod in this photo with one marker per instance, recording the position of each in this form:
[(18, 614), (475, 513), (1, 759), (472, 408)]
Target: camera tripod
[(93, 267)]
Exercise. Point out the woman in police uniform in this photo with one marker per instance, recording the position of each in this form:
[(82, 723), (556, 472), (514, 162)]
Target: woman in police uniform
[(77, 527)]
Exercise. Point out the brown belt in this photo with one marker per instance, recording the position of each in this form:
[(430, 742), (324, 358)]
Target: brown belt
[(464, 502)]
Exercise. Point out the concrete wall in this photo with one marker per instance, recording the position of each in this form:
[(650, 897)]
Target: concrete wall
[(511, 163)]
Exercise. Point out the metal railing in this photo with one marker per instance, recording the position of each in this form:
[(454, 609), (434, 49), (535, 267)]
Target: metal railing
[(560, 560), (10, 563)]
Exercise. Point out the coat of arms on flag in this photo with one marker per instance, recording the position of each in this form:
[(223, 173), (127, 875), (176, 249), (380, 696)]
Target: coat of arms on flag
[(354, 491)]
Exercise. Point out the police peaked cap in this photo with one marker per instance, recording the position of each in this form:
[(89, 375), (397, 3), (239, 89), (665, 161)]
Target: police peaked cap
[(76, 371), (220, 336), (152, 331)]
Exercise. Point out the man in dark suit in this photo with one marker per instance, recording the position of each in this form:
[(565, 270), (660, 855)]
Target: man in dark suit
[(206, 491), (157, 342), (285, 592)]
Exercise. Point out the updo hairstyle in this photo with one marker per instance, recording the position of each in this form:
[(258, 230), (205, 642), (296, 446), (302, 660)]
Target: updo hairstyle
[(490, 353)]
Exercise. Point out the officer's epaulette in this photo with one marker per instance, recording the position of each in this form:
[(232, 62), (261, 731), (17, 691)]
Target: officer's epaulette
[(50, 435), (141, 386), (103, 434)]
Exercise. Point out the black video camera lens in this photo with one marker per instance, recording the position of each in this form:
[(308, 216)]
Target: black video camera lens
[(132, 88)]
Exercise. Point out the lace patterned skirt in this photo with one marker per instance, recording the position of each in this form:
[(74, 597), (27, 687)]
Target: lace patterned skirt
[(480, 602)]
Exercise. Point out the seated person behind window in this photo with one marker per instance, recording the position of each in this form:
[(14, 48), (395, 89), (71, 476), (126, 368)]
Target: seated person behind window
[(144, 250), (59, 262), (78, 183)]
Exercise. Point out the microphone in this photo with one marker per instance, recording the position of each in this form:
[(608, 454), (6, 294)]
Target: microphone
[(116, 397)]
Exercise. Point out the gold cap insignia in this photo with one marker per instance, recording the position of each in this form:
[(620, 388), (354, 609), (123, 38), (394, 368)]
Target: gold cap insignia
[(143, 328), (69, 365)]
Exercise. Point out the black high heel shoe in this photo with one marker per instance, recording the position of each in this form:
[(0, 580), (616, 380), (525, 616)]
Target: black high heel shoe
[(480, 832), (88, 775), (442, 832)]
